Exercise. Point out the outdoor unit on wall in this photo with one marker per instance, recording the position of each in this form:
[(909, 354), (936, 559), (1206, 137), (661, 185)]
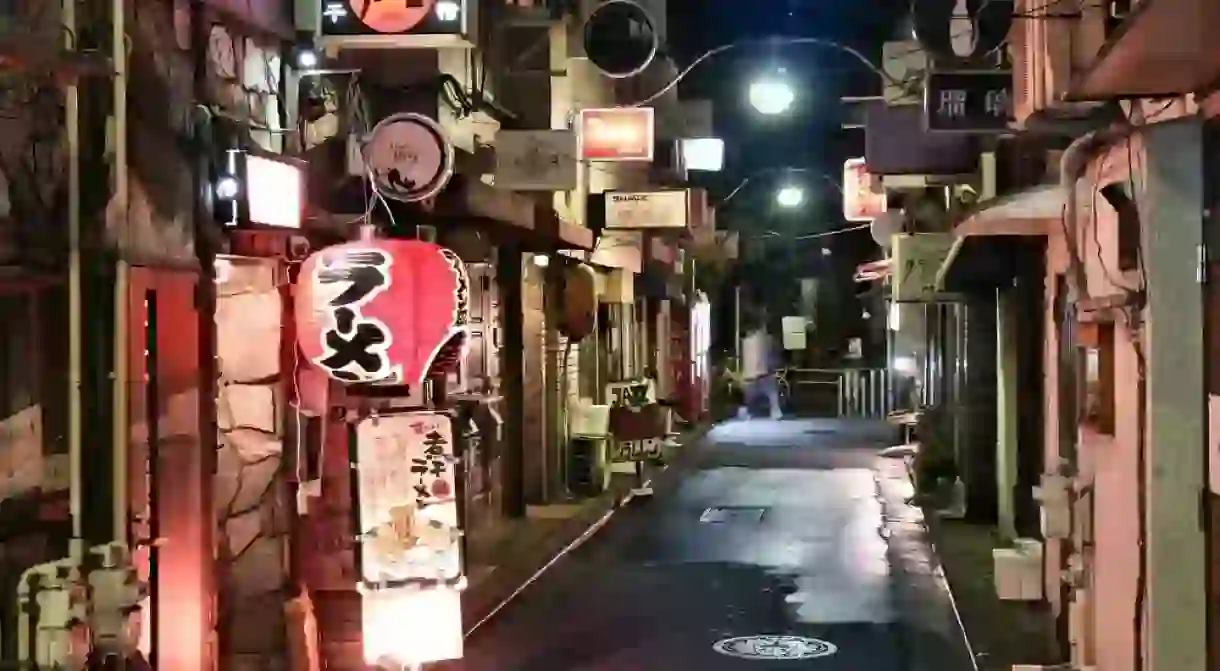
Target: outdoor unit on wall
[(1018, 570), (389, 24), (1047, 53)]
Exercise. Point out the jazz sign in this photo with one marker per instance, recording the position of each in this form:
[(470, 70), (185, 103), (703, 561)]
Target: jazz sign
[(637, 422)]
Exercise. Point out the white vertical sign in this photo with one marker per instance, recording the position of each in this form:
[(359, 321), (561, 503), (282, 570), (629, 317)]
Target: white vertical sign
[(409, 526)]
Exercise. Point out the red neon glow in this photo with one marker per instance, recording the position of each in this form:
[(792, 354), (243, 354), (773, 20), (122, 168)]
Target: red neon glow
[(383, 311)]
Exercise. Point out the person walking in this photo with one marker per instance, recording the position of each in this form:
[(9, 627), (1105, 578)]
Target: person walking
[(759, 362)]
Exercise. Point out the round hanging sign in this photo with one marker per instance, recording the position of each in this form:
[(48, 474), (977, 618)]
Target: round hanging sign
[(775, 647), (957, 31), (408, 157), (385, 16)]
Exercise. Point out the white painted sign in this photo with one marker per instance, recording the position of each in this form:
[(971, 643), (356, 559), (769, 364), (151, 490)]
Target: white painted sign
[(407, 478), (775, 647), (408, 157), (536, 160), (645, 210), (636, 450), (916, 261), (855, 348), (794, 329)]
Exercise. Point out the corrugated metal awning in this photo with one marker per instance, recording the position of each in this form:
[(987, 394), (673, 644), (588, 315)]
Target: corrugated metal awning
[(1032, 212)]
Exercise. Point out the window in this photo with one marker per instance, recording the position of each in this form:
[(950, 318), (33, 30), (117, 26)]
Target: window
[(1098, 392), (1128, 214)]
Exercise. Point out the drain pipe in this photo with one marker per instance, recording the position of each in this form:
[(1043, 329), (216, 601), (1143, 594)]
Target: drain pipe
[(119, 412), (1072, 166)]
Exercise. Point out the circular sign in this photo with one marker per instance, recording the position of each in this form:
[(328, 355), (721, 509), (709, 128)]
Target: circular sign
[(956, 31), (775, 647), (391, 16), (620, 38), (408, 157)]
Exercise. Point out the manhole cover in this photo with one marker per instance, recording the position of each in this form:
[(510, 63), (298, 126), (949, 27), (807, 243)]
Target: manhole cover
[(722, 515), (775, 647)]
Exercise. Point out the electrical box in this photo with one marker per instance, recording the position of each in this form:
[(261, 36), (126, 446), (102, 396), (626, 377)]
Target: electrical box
[(1018, 571)]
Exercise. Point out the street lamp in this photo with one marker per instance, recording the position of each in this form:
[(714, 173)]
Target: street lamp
[(771, 96), (790, 196)]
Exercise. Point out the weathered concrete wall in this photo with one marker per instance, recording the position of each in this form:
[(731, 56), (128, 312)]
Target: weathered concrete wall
[(252, 511)]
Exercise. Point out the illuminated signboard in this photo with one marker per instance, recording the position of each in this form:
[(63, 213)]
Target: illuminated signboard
[(394, 18)]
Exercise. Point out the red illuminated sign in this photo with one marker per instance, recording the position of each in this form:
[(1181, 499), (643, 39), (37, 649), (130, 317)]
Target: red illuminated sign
[(617, 134), (391, 16), (383, 311), (859, 201)]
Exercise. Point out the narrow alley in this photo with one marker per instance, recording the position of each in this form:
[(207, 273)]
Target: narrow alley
[(792, 530)]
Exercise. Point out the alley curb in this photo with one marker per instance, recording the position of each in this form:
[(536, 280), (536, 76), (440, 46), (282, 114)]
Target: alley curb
[(688, 439), (942, 577)]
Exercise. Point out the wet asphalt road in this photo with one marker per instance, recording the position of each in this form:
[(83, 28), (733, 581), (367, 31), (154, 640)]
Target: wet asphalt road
[(812, 540)]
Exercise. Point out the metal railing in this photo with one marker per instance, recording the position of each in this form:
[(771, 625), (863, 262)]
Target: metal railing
[(839, 392)]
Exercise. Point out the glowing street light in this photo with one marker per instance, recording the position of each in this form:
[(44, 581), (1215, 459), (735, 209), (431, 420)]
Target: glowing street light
[(790, 196), (771, 96)]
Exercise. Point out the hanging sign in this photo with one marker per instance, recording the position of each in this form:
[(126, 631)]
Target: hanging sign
[(968, 101), (536, 160), (407, 477), (418, 19), (383, 311), (408, 157), (859, 201), (916, 263), (410, 539), (957, 32), (617, 134), (651, 209)]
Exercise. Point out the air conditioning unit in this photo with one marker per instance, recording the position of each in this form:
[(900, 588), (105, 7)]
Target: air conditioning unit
[(1048, 51), (1018, 570)]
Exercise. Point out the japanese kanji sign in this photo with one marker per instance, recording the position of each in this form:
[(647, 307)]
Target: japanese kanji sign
[(383, 311), (409, 525), (968, 101)]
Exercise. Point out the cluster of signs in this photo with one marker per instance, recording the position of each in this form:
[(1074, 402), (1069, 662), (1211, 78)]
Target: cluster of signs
[(964, 90), (351, 326)]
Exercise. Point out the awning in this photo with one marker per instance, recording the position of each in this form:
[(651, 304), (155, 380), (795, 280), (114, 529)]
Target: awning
[(1164, 48), (872, 271), (1028, 212), (996, 240)]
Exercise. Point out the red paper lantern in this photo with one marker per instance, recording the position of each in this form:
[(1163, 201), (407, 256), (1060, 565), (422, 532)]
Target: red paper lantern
[(385, 312)]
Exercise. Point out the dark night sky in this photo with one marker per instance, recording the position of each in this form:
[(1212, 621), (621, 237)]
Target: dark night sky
[(808, 137)]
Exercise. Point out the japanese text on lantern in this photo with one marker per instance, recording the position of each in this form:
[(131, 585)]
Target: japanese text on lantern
[(355, 347)]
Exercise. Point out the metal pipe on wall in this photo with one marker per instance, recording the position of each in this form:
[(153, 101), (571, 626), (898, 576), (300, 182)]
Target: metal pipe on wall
[(121, 375), (75, 323)]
